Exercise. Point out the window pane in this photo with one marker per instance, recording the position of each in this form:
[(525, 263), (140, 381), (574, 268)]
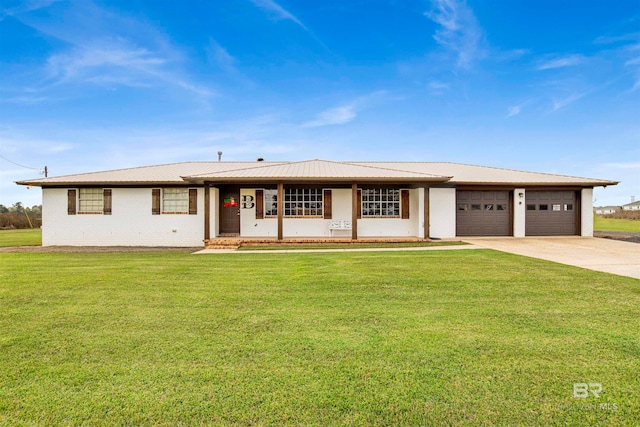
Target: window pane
[(568, 207), (463, 207), (544, 207), (501, 207), (531, 207), (175, 200), (476, 207), (381, 202), (488, 207), (556, 207), (90, 200)]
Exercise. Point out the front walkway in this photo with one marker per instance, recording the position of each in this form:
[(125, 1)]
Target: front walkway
[(609, 256)]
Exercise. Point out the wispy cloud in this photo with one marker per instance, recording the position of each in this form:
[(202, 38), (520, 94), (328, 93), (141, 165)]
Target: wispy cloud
[(344, 113), (561, 62), (280, 13), (459, 30), (333, 116), (514, 111), (437, 87), (110, 49), (221, 57), (561, 103)]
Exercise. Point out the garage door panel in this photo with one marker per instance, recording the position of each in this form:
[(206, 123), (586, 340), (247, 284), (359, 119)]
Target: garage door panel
[(483, 213), (550, 213)]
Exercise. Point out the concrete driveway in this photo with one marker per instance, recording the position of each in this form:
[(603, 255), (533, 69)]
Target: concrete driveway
[(610, 256)]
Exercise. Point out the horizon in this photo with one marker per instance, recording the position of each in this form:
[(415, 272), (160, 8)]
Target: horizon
[(545, 87)]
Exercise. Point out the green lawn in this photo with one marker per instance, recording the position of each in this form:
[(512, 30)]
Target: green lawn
[(468, 337), (28, 237), (615, 224), (284, 246)]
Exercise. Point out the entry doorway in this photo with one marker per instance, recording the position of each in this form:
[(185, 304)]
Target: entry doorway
[(230, 210)]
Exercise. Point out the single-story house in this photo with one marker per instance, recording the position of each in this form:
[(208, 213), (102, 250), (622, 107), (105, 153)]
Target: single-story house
[(186, 204), (633, 206), (606, 210)]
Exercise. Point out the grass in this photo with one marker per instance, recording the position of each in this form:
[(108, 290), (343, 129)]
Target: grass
[(276, 246), (615, 224), (387, 338), (26, 237)]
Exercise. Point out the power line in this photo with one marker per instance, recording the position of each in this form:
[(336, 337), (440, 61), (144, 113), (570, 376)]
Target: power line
[(18, 164)]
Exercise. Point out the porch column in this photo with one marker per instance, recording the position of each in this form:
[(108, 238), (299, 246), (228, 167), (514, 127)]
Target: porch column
[(207, 212), (280, 208), (354, 211), (426, 212)]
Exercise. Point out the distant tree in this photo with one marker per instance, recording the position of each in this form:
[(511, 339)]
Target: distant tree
[(17, 208), (3, 209)]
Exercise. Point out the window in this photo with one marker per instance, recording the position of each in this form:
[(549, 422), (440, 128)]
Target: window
[(381, 202), (476, 207), (271, 203), (488, 207), (544, 207), (556, 208), (305, 202), (298, 202), (90, 200), (463, 207), (531, 207), (501, 207), (175, 200), (568, 207)]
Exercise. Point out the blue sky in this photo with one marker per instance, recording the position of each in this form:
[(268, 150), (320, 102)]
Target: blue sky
[(550, 86)]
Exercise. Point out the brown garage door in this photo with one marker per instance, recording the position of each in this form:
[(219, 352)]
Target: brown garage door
[(483, 213), (550, 213)]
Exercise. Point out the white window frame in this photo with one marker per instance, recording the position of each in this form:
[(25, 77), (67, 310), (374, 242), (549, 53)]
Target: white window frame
[(175, 200), (381, 203), (305, 202), (90, 200)]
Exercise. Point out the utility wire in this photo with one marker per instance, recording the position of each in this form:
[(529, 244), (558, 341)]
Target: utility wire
[(18, 164)]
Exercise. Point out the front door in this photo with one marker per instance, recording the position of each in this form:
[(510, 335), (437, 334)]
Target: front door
[(230, 210)]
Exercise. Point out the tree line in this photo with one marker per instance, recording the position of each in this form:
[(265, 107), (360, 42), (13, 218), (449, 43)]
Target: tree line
[(20, 216)]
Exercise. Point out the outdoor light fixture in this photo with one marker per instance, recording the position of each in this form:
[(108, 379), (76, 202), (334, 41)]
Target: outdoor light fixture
[(521, 195)]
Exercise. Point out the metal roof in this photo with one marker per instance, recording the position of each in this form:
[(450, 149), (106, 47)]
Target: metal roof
[(316, 170)]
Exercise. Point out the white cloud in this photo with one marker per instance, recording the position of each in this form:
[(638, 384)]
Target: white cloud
[(333, 116), (566, 61), (514, 111), (437, 87), (278, 11), (460, 31), (221, 57)]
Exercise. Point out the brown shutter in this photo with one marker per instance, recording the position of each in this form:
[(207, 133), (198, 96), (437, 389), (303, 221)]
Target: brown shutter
[(259, 204), (193, 201), (106, 196), (71, 202), (155, 201), (327, 204), (359, 204), (404, 198)]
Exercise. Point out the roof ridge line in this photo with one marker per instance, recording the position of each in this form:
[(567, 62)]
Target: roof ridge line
[(396, 170)]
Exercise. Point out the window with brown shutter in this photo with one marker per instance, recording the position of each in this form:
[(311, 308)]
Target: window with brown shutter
[(359, 213), (327, 204), (71, 202), (404, 198), (106, 197), (259, 204), (193, 201), (155, 201)]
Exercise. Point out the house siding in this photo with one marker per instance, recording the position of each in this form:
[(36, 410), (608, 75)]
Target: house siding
[(130, 224)]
